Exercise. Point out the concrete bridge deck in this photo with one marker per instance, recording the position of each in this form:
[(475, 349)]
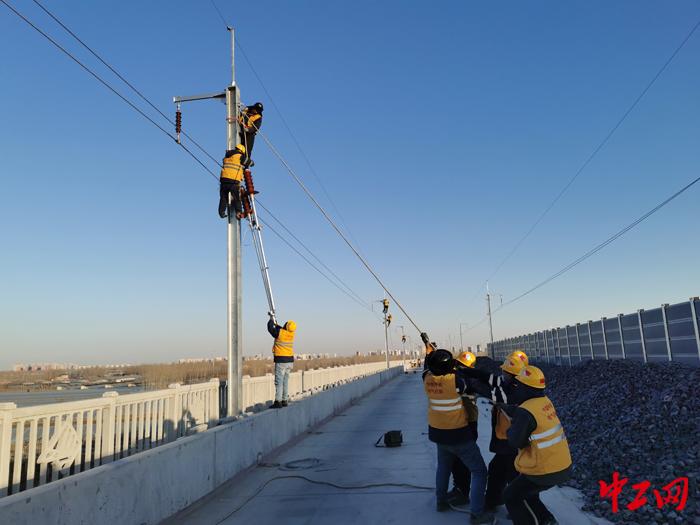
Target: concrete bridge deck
[(341, 451)]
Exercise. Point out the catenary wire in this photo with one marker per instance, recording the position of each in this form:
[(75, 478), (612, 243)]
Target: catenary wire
[(121, 77), (134, 107), (287, 127), (335, 227), (106, 84), (592, 155), (289, 232), (603, 244), (310, 263)]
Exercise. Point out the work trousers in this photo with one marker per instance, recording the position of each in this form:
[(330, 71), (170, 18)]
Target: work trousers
[(226, 188), (461, 476), (522, 499), (282, 371), (468, 452), (501, 472), (248, 140)]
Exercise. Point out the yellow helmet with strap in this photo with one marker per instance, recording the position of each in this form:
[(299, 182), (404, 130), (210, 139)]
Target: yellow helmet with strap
[(519, 354), (531, 376), (467, 359), (512, 365)]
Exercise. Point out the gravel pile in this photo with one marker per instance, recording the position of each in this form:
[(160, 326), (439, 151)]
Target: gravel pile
[(640, 420)]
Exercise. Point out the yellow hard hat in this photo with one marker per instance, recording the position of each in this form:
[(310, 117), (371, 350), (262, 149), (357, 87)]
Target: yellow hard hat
[(241, 148), (512, 365), (531, 376), (467, 359), (290, 326), (520, 355)]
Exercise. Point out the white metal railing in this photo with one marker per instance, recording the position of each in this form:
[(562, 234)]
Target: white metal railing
[(39, 444), (261, 390), (43, 443)]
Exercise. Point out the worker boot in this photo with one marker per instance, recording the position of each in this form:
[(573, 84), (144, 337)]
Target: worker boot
[(285, 403), (276, 404), (442, 505), (485, 518)]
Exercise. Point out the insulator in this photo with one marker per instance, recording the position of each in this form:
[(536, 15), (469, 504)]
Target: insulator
[(178, 121), (247, 209), (249, 186)]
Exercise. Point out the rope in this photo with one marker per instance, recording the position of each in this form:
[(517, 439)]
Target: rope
[(336, 228)]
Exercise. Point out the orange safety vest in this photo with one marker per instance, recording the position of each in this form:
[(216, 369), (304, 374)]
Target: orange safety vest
[(249, 120), (284, 344), (548, 450), (445, 408), (233, 168)]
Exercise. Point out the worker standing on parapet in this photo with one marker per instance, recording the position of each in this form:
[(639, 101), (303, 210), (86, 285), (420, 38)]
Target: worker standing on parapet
[(230, 181), (543, 460), (449, 429), (283, 350), (250, 120)]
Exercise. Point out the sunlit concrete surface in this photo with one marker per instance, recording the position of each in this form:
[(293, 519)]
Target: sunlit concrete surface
[(342, 451)]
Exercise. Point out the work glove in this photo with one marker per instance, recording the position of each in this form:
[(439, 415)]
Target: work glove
[(424, 337)]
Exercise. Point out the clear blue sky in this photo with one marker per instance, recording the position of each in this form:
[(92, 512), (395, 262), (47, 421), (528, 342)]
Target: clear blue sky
[(441, 132)]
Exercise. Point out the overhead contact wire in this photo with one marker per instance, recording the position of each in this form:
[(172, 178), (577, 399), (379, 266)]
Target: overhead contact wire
[(336, 228), (595, 152), (603, 244)]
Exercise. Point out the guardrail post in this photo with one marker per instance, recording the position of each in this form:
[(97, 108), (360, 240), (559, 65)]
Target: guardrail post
[(109, 418), (605, 337), (213, 416), (590, 339), (668, 339), (175, 411), (694, 313), (622, 337), (6, 410), (641, 334)]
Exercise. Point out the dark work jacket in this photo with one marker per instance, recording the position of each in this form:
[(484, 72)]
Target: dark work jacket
[(523, 424), (274, 330), (498, 392), (456, 436)]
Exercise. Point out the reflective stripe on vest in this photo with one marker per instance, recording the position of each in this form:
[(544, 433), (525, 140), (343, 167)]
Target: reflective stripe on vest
[(232, 169), (445, 410), (548, 451), (284, 344)]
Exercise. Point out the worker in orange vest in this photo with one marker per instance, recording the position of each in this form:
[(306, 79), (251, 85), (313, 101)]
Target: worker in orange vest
[(283, 350), (449, 428), (543, 459), (251, 121), (230, 181)]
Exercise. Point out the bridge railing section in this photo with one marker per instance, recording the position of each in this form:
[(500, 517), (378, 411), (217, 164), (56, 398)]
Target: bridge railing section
[(260, 390), (40, 444), (668, 333)]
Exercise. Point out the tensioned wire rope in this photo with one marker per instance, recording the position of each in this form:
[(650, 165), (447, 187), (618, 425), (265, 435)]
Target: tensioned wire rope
[(591, 156), (149, 119), (592, 251), (286, 125)]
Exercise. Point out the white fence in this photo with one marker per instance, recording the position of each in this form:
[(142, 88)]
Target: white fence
[(260, 390), (40, 444)]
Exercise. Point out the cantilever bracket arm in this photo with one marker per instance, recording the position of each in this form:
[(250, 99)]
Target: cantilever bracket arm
[(205, 96)]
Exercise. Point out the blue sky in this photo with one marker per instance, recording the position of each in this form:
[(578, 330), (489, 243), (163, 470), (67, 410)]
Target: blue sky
[(440, 133)]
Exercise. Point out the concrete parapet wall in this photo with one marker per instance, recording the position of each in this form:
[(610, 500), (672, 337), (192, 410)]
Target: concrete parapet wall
[(149, 487)]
